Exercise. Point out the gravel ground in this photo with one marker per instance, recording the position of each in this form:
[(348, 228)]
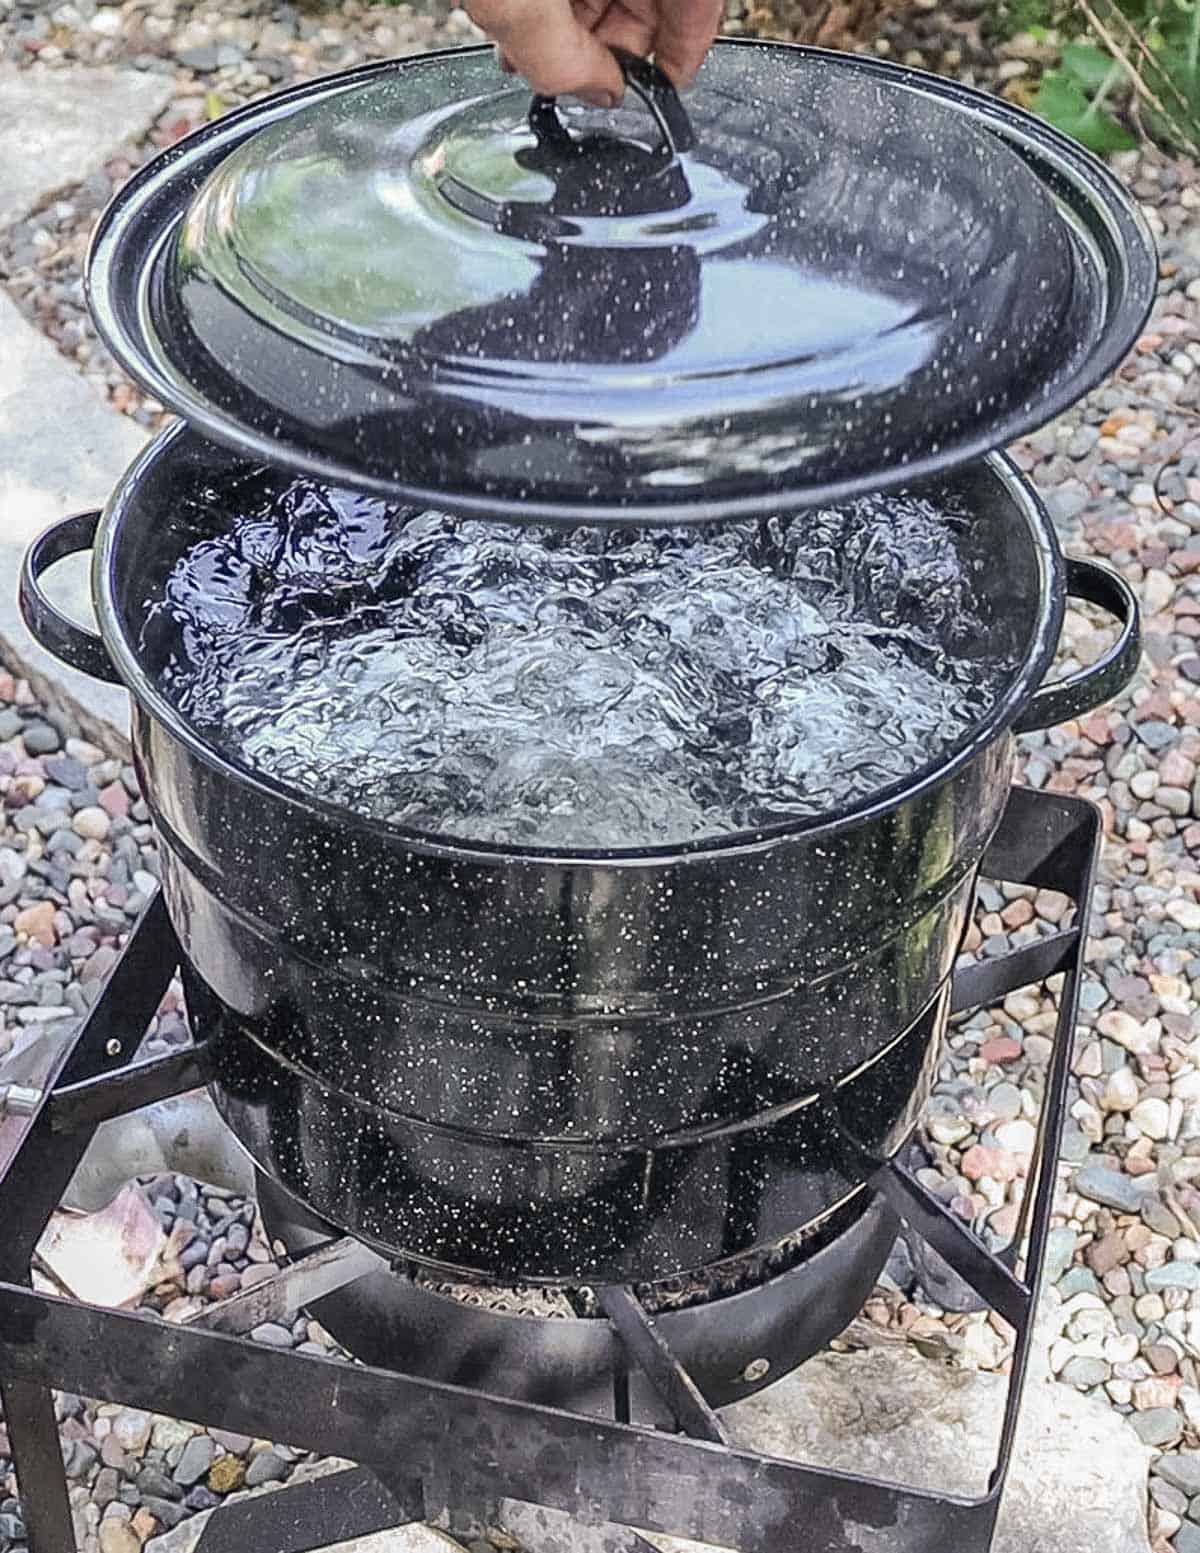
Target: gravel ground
[(1121, 474)]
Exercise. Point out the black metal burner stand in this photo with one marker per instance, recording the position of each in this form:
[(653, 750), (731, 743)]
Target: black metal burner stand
[(426, 1447)]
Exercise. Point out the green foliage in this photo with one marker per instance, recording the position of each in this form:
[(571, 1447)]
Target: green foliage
[(1088, 67), (1174, 42), (1072, 98), (1125, 59)]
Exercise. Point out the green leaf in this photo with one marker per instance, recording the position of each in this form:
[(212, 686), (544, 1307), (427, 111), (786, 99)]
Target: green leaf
[(1059, 99), (214, 106), (1087, 66), (1103, 134), (1062, 102)]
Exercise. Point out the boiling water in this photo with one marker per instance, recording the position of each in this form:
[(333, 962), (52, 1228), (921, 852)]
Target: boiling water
[(590, 688)]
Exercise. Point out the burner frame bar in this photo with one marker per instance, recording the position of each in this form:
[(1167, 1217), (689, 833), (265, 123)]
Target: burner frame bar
[(427, 1447)]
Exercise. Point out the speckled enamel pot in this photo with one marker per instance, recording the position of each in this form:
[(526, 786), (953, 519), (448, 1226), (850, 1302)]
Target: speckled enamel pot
[(539, 1065)]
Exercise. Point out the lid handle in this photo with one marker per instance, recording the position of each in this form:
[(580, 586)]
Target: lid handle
[(650, 83)]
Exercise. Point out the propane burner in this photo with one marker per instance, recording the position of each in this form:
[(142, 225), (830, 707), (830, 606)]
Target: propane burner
[(736, 1325), (697, 1287), (646, 1365)]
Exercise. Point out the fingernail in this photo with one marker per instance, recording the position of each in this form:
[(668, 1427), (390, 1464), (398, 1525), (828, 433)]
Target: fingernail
[(598, 99)]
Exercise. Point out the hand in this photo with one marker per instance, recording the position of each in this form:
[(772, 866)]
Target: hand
[(565, 45)]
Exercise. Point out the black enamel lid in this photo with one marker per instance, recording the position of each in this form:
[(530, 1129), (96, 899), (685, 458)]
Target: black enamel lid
[(814, 274)]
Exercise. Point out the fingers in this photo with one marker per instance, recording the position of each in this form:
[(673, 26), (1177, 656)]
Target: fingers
[(589, 12), (552, 49), (685, 31), (626, 26), (565, 45)]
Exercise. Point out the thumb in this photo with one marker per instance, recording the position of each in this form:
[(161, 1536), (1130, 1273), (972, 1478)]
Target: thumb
[(684, 35), (553, 51)]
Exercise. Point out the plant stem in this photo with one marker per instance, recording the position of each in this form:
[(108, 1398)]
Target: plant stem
[(1131, 32), (1180, 127), (1116, 73)]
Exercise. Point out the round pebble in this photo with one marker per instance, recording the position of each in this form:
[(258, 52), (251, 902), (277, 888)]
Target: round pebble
[(1152, 1118), (92, 823)]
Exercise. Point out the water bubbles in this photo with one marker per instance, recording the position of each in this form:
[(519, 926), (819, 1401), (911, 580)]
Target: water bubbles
[(579, 688)]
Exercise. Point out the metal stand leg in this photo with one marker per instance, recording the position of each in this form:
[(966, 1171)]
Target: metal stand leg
[(313, 1515), (35, 1173), (37, 1456)]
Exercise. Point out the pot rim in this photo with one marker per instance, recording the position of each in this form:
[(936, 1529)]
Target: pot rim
[(122, 252), (1039, 653)]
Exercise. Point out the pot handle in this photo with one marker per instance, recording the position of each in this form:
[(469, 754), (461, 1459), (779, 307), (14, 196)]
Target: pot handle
[(1107, 677), (70, 642)]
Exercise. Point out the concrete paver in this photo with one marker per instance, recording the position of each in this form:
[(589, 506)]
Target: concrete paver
[(58, 125)]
